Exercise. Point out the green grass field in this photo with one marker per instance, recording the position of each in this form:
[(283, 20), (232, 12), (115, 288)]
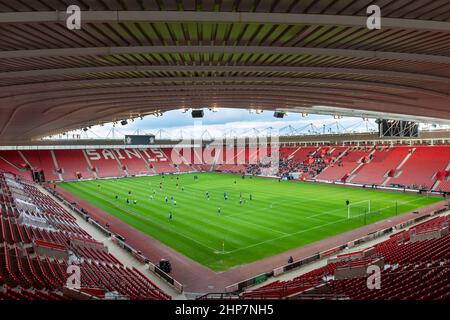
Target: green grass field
[(281, 216)]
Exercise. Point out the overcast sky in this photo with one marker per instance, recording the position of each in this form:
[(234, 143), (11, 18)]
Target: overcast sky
[(229, 122)]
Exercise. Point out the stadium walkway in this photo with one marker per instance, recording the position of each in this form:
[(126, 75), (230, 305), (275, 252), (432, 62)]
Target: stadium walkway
[(197, 278)]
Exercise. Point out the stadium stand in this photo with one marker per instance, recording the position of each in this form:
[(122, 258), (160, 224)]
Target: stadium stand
[(73, 164), (106, 164), (39, 239), (67, 69), (411, 270), (345, 166), (10, 161), (421, 168), (132, 161), (383, 161), (375, 165), (42, 160)]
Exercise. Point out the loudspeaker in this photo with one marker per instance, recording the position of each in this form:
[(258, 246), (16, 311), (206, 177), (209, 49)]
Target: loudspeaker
[(197, 113), (277, 114), (124, 122)]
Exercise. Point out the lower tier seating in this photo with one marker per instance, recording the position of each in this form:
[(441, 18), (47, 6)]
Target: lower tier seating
[(412, 270), (35, 253)]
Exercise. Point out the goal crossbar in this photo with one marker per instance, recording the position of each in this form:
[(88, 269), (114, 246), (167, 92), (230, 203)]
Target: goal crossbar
[(358, 204)]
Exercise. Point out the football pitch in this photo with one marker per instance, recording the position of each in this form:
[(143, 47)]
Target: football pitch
[(281, 215)]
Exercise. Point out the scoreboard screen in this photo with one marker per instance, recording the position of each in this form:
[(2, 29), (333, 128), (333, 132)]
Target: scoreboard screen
[(139, 139)]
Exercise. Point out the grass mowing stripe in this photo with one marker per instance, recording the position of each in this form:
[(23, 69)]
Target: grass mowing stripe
[(191, 227), (282, 215), (136, 214), (254, 224)]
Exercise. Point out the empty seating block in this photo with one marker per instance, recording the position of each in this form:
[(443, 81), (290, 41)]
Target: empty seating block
[(35, 272)]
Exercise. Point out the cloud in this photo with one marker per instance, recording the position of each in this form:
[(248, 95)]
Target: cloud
[(229, 122)]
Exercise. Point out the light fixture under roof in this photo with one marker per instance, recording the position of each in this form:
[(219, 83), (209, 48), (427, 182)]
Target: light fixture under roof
[(278, 114), (198, 113)]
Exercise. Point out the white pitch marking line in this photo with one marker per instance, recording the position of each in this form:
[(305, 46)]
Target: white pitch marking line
[(303, 231), (285, 235), (160, 225)]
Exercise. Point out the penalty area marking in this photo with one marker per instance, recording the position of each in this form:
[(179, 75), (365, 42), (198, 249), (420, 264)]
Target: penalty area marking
[(160, 225), (303, 231), (285, 235)]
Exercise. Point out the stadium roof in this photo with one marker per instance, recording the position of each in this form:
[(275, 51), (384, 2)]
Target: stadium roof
[(137, 57)]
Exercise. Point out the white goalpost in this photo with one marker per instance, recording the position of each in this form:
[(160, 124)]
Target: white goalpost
[(365, 204), (428, 193)]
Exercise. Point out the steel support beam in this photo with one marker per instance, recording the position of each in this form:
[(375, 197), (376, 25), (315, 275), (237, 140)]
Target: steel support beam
[(223, 17), (105, 51)]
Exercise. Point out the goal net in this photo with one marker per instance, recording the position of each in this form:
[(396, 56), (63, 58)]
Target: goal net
[(358, 209)]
